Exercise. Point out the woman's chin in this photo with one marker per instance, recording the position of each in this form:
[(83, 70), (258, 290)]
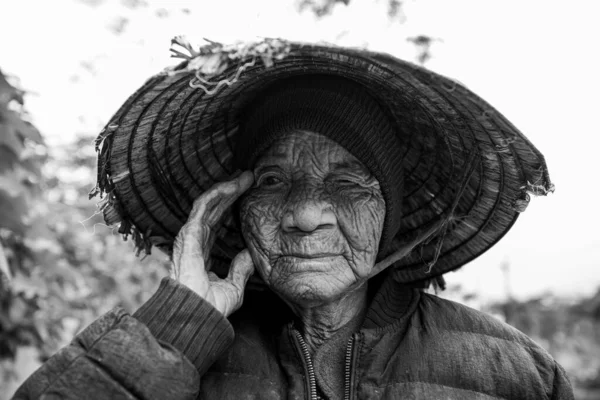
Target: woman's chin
[(311, 282), (310, 290)]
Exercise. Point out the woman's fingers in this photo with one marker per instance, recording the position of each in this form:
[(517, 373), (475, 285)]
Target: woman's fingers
[(194, 241), (224, 195), (207, 211), (189, 244), (241, 270), (210, 205)]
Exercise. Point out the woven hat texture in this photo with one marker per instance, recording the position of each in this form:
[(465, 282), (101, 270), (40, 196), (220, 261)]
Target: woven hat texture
[(467, 170)]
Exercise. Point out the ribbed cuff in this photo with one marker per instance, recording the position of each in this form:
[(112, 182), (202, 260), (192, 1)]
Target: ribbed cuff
[(178, 316)]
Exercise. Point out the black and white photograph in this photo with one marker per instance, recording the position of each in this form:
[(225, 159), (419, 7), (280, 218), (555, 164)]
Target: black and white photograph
[(299, 199)]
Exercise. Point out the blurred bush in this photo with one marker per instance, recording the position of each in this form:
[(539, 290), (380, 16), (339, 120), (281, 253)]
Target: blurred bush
[(61, 267)]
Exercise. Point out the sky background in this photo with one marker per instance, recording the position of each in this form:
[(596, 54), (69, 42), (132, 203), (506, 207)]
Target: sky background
[(536, 61)]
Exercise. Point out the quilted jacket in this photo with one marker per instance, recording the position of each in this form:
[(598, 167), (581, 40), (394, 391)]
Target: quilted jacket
[(411, 345)]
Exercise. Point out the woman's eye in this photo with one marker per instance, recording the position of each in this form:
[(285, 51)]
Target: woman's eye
[(344, 181), (269, 180)]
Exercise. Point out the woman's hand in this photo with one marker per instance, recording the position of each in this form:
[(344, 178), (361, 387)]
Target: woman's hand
[(194, 241)]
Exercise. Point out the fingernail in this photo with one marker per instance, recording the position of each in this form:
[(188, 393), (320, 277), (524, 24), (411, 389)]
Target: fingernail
[(247, 179)]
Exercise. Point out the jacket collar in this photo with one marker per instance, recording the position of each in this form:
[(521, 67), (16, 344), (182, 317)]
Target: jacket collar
[(391, 302)]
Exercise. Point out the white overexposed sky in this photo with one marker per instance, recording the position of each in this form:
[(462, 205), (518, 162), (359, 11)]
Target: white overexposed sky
[(536, 61)]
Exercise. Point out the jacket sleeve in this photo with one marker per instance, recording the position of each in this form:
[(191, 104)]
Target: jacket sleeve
[(561, 387), (160, 352)]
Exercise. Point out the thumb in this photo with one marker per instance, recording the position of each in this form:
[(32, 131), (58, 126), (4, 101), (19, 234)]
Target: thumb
[(241, 269)]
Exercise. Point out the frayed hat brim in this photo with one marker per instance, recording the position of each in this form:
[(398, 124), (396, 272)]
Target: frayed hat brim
[(467, 168)]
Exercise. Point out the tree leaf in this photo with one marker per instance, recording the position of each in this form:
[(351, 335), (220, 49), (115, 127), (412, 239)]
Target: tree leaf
[(5, 275), (9, 136), (13, 210), (8, 159), (14, 129), (14, 124), (8, 93)]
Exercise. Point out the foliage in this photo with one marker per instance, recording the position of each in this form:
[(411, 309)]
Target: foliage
[(21, 148), (19, 161), (66, 266), (322, 8), (423, 44)]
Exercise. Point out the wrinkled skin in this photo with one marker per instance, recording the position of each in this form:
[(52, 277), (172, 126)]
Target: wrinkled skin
[(189, 264), (312, 220), (312, 217)]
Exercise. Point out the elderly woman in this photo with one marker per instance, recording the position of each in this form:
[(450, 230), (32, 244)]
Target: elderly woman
[(363, 177)]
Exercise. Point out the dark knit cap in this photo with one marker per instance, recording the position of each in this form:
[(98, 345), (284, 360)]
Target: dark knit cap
[(339, 109)]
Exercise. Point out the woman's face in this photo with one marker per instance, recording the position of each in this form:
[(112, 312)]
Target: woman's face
[(313, 219)]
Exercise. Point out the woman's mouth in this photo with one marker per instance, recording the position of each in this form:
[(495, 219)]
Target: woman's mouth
[(311, 255)]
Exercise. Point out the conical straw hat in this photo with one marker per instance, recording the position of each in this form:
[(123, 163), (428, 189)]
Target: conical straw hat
[(465, 164)]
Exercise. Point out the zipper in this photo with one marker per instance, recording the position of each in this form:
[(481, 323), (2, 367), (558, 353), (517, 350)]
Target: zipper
[(348, 368), (312, 381)]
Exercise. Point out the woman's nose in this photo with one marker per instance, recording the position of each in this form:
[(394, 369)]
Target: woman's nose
[(308, 216)]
